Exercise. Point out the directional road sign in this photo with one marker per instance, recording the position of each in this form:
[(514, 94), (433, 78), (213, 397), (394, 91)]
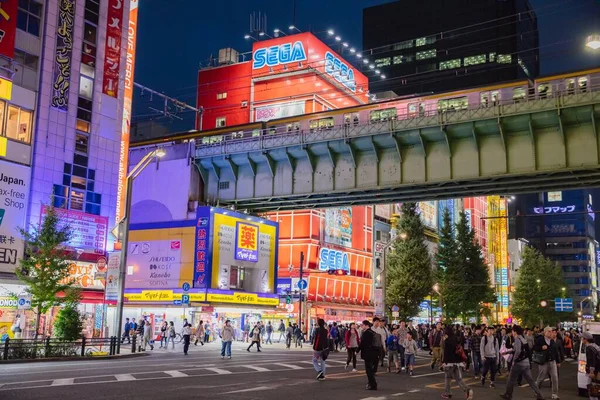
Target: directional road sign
[(185, 299), (565, 305), (302, 284), (177, 302)]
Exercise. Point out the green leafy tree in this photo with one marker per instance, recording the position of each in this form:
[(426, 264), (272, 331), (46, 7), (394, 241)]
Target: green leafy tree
[(539, 279), (448, 266), (473, 287), (409, 272), (68, 324), (45, 268)]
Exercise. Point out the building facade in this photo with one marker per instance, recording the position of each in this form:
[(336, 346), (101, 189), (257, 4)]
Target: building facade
[(61, 134), (437, 46), (561, 225)]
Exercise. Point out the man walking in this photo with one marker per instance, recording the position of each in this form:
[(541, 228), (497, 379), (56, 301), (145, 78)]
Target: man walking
[(475, 345), (370, 349), (227, 334), (546, 345), (269, 330), (402, 331), (378, 327), (489, 351), (126, 330), (436, 345), (281, 331), (320, 349), (520, 366)]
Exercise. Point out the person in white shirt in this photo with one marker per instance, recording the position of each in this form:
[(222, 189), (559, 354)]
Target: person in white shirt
[(379, 327)]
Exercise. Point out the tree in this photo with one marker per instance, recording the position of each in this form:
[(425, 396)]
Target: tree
[(45, 266), (473, 285), (539, 279), (448, 266), (409, 272), (68, 324)]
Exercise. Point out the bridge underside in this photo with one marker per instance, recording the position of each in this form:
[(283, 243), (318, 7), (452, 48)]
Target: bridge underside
[(518, 148)]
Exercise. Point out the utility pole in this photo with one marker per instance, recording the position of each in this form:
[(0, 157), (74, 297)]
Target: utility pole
[(300, 300)]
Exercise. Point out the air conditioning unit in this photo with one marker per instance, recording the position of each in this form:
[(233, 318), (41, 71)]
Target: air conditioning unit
[(228, 56)]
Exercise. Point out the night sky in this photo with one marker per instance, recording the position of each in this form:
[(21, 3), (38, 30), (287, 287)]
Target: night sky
[(173, 40)]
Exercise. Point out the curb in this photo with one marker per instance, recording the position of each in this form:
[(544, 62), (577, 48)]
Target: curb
[(78, 358)]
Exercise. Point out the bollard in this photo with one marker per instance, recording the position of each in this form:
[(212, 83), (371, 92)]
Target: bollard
[(47, 347), (83, 346), (133, 340), (5, 354)]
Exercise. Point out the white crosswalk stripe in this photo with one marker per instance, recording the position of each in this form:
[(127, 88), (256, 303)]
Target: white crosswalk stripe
[(259, 369), (176, 374), (63, 382), (290, 366), (125, 377), (219, 371)]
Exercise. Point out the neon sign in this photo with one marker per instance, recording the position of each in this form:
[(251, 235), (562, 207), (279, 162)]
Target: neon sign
[(278, 55), (340, 71), (553, 210), (334, 260)]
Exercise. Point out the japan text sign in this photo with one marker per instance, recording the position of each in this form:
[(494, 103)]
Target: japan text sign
[(112, 59), (246, 245)]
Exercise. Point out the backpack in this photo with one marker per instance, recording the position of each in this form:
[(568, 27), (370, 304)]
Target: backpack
[(525, 352), (377, 343)]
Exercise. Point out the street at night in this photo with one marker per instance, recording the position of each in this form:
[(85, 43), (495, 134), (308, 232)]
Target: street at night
[(273, 374)]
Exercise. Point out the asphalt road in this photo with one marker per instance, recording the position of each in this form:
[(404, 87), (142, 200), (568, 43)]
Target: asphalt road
[(273, 374)]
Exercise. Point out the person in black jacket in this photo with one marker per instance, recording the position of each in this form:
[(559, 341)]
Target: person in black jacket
[(452, 364), (320, 347), (370, 348), (546, 345)]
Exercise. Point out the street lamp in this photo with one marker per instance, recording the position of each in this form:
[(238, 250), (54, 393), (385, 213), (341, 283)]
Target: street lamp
[(436, 288), (123, 227), (593, 42), (277, 32), (250, 37), (293, 28)]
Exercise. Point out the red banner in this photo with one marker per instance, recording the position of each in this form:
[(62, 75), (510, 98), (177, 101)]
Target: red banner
[(8, 27), (112, 57)]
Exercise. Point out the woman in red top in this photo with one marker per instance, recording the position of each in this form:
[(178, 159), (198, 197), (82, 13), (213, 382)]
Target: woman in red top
[(352, 342), (568, 343)]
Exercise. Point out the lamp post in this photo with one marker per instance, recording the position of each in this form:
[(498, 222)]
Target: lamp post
[(383, 273), (123, 226), (436, 288), (580, 313)]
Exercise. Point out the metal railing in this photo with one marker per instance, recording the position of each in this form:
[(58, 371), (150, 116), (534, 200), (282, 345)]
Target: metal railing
[(18, 349), (281, 136)]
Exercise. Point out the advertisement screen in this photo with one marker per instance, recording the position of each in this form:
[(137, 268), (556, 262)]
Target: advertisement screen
[(14, 193), (283, 110), (338, 226), (8, 27), (428, 211), (244, 252), (88, 230)]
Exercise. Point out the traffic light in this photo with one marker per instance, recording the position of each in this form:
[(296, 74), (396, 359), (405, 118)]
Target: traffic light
[(288, 299)]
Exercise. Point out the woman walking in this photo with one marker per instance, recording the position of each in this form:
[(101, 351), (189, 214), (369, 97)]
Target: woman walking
[(352, 339), (186, 332), (452, 364), (199, 333), (255, 335), (164, 327)]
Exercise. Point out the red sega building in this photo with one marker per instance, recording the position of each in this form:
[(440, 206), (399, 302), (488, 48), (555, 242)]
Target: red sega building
[(287, 76)]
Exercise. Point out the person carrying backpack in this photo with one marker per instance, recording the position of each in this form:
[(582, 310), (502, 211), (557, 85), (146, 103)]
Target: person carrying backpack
[(370, 348), (521, 353), (335, 333), (320, 349), (592, 356)]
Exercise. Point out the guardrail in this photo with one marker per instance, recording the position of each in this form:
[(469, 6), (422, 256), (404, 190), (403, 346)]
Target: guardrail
[(18, 349)]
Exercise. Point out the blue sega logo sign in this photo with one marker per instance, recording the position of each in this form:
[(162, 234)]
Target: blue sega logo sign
[(334, 260), (278, 55), (340, 71)]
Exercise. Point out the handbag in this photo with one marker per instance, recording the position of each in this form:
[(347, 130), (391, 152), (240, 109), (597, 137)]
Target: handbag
[(461, 353), (539, 357), (593, 389)]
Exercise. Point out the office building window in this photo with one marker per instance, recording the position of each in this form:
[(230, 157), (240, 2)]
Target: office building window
[(382, 62), (426, 67), (403, 59), (450, 64), (423, 55), (425, 41), (26, 67), (92, 9), (220, 122), (86, 87), (89, 32), (492, 57), (18, 122), (474, 60), (28, 16), (81, 142), (221, 96), (407, 44), (504, 58)]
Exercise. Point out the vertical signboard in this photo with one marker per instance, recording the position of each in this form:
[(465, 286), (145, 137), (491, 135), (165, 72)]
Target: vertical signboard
[(8, 27), (111, 292), (503, 262), (14, 193), (202, 266), (63, 54), (112, 58), (127, 101)]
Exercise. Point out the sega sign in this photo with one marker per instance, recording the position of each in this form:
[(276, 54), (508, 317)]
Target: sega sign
[(278, 55), (340, 71), (334, 260)]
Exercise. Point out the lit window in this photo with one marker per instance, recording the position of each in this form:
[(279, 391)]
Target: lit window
[(475, 60), (544, 90), (458, 103), (220, 122), (450, 64), (425, 41), (88, 71), (492, 57), (81, 142), (221, 96), (82, 126), (77, 199), (28, 16), (86, 87), (407, 44), (18, 123), (504, 58), (423, 55), (382, 62)]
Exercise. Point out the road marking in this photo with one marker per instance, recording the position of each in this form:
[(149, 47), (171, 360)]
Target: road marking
[(422, 375), (337, 361), (176, 374), (259, 369), (125, 377), (306, 362), (374, 398), (289, 366), (255, 389), (63, 382), (398, 394), (219, 371)]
